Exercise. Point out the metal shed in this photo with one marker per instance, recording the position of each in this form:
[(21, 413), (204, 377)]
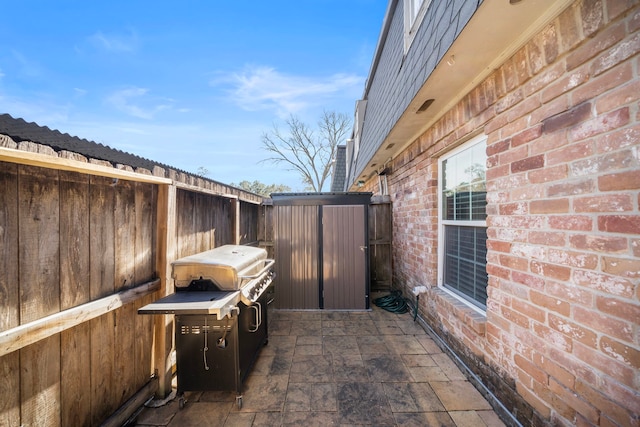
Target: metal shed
[(321, 250)]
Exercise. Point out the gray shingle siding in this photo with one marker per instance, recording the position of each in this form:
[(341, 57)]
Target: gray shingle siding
[(339, 170), (397, 78)]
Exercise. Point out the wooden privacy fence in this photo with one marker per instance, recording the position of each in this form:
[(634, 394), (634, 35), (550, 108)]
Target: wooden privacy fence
[(83, 245)]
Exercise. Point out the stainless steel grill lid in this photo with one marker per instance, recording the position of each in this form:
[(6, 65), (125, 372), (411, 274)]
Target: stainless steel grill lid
[(228, 267)]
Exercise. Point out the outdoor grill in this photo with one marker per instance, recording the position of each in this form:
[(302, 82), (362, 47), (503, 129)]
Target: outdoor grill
[(220, 308)]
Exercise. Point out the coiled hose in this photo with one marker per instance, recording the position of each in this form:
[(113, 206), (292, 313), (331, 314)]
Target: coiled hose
[(394, 302)]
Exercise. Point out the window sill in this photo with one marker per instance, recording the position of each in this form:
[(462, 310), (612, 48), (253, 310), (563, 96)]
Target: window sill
[(450, 306)]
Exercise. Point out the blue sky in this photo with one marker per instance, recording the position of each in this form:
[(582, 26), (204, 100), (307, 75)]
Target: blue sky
[(186, 83)]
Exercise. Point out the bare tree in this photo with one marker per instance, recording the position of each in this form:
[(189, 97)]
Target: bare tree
[(308, 152)]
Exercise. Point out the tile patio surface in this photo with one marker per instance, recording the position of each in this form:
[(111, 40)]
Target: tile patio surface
[(340, 369)]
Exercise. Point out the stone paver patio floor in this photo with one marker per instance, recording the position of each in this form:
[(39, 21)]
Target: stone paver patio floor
[(340, 369)]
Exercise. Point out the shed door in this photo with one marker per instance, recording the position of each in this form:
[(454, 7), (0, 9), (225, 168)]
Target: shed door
[(344, 257), (296, 253)]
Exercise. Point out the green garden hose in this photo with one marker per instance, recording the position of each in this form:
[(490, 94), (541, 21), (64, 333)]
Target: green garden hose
[(394, 302)]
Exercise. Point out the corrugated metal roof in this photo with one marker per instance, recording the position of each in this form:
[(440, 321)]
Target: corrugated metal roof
[(21, 130)]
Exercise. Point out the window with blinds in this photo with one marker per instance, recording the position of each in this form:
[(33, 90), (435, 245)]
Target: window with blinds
[(462, 222)]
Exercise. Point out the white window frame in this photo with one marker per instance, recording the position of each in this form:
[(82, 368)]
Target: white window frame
[(480, 139), (414, 11)]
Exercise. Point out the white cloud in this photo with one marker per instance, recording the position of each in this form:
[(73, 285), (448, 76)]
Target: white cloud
[(115, 42), (263, 88), (131, 101)]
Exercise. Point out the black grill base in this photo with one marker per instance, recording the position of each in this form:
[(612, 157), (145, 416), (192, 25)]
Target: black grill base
[(218, 367)]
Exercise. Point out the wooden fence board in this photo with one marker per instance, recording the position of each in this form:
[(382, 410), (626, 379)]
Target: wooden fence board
[(9, 386), (40, 383), (380, 238), (124, 385), (145, 237), (9, 291), (39, 247), (102, 247), (143, 337), (124, 226), (74, 239), (102, 372), (75, 401)]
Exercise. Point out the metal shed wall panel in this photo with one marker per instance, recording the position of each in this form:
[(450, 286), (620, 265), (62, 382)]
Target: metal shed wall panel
[(344, 257), (296, 252)]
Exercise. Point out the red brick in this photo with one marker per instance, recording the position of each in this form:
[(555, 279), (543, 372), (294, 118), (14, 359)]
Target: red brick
[(618, 7), (601, 124), (494, 270), (593, 46), (592, 16), (567, 291), (612, 162), (571, 222), (619, 223), (616, 54), (571, 188), (623, 95), (604, 401), (613, 78), (548, 238), (623, 267), (619, 371), (530, 369), (549, 206), (516, 208), (604, 282), (514, 263), (603, 323), (529, 310), (621, 138), (635, 247), (620, 181), (551, 337), (548, 174), (570, 153), (527, 193), (599, 243), (572, 258), (529, 163), (513, 155), (532, 398), (570, 34), (515, 317), (567, 397), (634, 21), (551, 271), (624, 396), (498, 147), (621, 352), (573, 330), (550, 303), (554, 370), (498, 246), (604, 203), (551, 109), (525, 107), (568, 118), (581, 370), (527, 135), (565, 84), (528, 280)]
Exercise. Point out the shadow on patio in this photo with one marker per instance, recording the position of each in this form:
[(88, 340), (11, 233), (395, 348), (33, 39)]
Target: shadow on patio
[(340, 368)]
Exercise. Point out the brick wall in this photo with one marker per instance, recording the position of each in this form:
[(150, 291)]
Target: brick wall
[(560, 340)]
